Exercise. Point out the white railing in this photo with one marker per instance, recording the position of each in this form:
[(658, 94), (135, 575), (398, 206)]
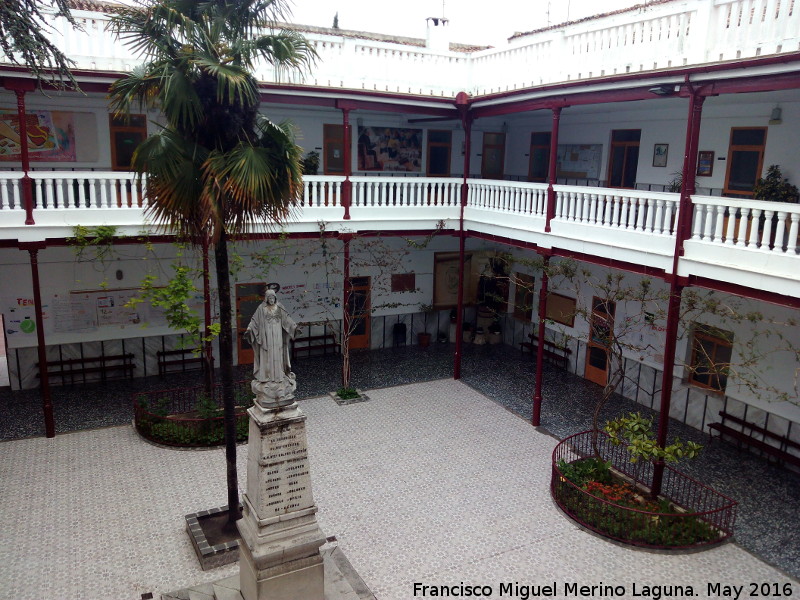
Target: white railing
[(660, 35), (756, 225), (69, 190), (411, 192), (750, 224), (10, 191), (648, 212), (322, 191), (508, 196)]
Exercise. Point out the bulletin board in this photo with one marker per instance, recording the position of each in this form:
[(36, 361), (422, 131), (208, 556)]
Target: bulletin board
[(581, 161), (561, 309)]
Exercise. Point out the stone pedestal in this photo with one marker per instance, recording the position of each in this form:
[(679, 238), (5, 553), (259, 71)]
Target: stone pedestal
[(280, 557)]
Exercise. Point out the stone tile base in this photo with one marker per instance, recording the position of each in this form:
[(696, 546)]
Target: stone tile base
[(341, 582), (210, 557)]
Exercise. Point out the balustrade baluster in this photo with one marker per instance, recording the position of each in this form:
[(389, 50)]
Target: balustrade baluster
[(573, 205), (697, 210), (668, 206), (640, 213), (709, 223), (752, 237), (780, 230), (4, 183), (585, 207), (791, 243), (594, 200), (649, 226), (123, 188), (383, 198), (39, 201), (306, 200), (58, 192), (718, 222), (744, 223), (560, 205), (659, 225), (615, 206), (337, 197), (730, 229), (765, 234)]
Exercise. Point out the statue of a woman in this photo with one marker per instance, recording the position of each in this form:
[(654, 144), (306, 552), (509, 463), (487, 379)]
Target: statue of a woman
[(270, 331)]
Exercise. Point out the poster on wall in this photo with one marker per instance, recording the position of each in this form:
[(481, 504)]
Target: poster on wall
[(389, 149), (51, 135)]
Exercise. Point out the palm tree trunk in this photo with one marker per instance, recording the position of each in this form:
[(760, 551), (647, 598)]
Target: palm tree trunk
[(226, 368)]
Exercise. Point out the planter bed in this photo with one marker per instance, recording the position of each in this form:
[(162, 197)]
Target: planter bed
[(687, 514), (171, 417)]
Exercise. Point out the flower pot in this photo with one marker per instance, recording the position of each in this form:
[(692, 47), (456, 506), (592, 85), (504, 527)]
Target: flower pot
[(424, 339)]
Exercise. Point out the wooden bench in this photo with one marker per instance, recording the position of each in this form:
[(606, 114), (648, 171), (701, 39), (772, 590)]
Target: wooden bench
[(314, 343), (554, 354), (75, 370), (747, 436), (183, 359)]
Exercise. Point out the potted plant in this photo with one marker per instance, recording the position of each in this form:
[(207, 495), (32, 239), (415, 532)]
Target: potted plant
[(310, 163), (775, 188), (424, 336)]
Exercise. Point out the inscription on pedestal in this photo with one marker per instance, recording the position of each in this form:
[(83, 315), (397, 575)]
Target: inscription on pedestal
[(283, 461)]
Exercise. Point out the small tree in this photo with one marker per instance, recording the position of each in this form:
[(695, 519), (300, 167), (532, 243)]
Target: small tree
[(218, 164)]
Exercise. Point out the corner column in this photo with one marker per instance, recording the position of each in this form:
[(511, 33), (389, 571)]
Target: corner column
[(551, 168), (466, 122), (677, 283), (20, 87), (347, 185), (537, 394)]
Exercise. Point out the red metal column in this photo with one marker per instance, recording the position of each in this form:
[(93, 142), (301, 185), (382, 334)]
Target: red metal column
[(682, 232), (27, 184), (537, 394), (466, 122), (347, 185), (345, 314), (551, 168), (47, 401)]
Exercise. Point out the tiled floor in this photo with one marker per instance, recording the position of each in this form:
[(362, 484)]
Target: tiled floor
[(442, 496), (429, 483)]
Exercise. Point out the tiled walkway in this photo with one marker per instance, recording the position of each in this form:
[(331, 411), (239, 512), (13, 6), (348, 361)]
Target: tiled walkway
[(429, 483)]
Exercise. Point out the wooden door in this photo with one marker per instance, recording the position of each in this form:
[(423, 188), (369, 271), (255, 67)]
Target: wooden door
[(494, 155), (745, 160), (248, 297), (440, 146), (601, 330), (623, 161), (539, 164), (359, 310)]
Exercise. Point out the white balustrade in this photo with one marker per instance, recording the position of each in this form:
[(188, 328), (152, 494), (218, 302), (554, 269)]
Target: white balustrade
[(507, 196), (69, 190), (632, 210), (750, 224), (10, 191), (663, 35), (321, 191), (408, 192)]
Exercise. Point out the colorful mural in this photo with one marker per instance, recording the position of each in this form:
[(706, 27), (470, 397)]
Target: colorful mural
[(389, 149), (51, 136)]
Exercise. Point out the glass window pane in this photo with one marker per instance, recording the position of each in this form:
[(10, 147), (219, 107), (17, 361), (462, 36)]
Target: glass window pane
[(744, 170), (626, 135), (748, 137), (540, 139), (439, 160)]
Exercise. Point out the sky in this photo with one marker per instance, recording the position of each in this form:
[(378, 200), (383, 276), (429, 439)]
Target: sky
[(470, 21)]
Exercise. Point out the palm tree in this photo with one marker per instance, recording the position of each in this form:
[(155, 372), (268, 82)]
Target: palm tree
[(217, 165)]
